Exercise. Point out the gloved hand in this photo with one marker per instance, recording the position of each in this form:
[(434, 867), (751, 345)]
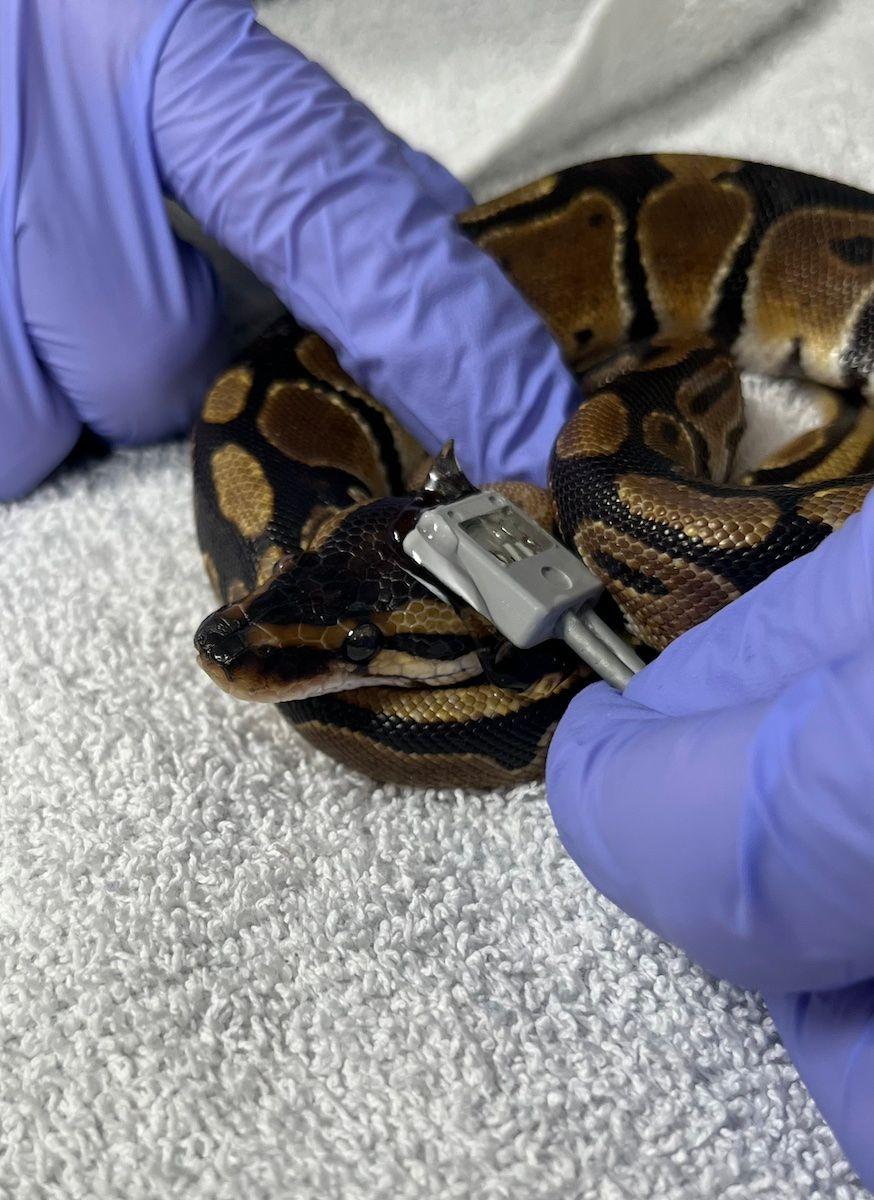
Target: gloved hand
[(107, 318), (727, 801)]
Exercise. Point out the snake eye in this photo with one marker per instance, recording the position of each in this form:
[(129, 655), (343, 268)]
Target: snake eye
[(362, 643), (284, 564)]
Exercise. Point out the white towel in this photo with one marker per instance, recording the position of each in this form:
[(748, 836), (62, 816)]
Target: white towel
[(232, 969), (511, 80)]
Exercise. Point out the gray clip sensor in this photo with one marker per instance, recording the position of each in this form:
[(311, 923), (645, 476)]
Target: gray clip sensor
[(489, 552)]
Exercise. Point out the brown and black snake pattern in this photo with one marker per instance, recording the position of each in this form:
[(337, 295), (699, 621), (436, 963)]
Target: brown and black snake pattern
[(660, 276)]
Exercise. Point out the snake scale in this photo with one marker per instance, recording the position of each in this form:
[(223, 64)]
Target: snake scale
[(661, 276)]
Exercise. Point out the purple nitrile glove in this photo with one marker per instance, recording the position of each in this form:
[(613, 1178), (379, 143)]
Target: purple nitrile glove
[(106, 318), (727, 801)]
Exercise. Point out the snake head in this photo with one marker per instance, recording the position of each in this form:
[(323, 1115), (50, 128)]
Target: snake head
[(344, 613)]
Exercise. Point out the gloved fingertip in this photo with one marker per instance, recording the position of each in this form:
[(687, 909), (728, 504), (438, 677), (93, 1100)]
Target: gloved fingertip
[(830, 1038), (594, 726)]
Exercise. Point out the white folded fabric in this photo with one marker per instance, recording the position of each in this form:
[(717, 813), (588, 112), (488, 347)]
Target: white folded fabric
[(495, 83)]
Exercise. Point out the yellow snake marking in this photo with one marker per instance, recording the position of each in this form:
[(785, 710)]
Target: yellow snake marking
[(436, 706), (267, 562), (666, 435), (522, 195), (398, 664), (245, 684), (243, 491), (794, 451), (319, 637), (228, 396), (672, 351), (712, 403), (236, 590), (324, 520), (692, 593), (830, 403), (662, 352), (599, 426), (847, 457), (689, 231), (694, 167), (603, 374), (795, 259), (421, 616), (832, 506), (569, 265), (831, 407), (319, 359), (722, 521), (318, 429)]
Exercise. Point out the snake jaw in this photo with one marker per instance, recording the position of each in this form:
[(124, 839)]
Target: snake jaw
[(250, 684), (250, 662), (248, 680)]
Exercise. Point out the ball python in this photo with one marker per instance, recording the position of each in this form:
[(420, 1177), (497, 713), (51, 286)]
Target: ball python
[(661, 276)]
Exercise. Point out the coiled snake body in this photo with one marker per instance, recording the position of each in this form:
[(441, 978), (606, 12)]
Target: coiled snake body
[(660, 276)]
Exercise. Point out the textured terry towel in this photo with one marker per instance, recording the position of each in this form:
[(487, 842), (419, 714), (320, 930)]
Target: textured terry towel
[(231, 968)]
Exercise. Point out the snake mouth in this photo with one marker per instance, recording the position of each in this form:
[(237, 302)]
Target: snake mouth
[(238, 658), (249, 681), (242, 662)]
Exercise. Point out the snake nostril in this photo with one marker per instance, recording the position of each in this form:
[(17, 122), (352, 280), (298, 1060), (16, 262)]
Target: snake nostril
[(221, 638)]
